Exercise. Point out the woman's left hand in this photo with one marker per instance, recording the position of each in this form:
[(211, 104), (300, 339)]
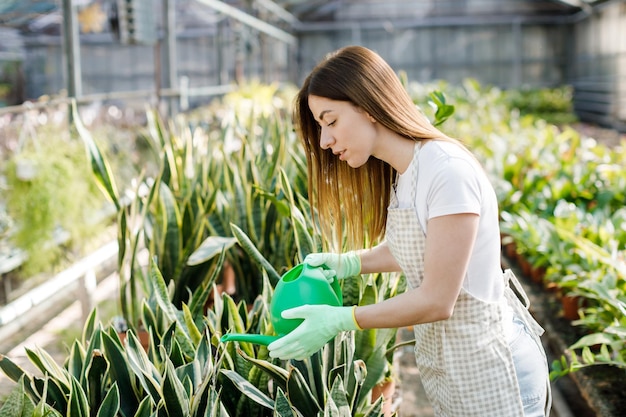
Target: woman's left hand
[(321, 323)]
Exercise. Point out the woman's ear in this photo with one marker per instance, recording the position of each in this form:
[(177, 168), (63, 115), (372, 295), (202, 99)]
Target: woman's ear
[(371, 119)]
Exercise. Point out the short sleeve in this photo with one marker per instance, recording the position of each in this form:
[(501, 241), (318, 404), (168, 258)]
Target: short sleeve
[(455, 188)]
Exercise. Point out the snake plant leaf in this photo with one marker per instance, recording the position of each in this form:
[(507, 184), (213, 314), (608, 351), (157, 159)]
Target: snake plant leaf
[(89, 327), (148, 317), (234, 323), (15, 373), (173, 348), (210, 247), (376, 410), (174, 394), (194, 332), (337, 401), (47, 365), (93, 341), (311, 370), (376, 367), (254, 253), (99, 165), (204, 354), (304, 240), (281, 206), (209, 404), (11, 369), (149, 377), (159, 289), (167, 234), (18, 404), (161, 295), (77, 404), (145, 409), (111, 404), (300, 394), (282, 407), (76, 359), (50, 390), (95, 374), (119, 372), (43, 409), (277, 373), (201, 295), (248, 389), (191, 375)]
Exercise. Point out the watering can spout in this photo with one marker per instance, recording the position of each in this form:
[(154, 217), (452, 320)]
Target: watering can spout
[(259, 339)]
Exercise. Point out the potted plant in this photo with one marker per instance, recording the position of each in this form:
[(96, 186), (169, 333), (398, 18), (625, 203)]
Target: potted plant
[(48, 199)]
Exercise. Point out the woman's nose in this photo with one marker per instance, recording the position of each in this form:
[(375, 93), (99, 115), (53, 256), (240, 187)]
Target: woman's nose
[(326, 140)]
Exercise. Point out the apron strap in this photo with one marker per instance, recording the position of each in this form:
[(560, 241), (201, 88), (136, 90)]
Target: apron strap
[(518, 300)]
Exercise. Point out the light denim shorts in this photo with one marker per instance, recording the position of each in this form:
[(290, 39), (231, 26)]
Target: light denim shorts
[(531, 368)]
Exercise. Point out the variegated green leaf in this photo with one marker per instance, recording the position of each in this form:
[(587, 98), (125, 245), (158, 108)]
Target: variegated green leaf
[(248, 389), (300, 394), (77, 404), (254, 253), (174, 394), (111, 404), (210, 247)]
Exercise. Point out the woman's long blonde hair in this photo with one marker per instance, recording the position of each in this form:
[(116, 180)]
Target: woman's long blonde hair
[(352, 203)]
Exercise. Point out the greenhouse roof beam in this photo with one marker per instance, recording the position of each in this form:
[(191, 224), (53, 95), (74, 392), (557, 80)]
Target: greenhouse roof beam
[(278, 10), (439, 22), (251, 21), (582, 5)]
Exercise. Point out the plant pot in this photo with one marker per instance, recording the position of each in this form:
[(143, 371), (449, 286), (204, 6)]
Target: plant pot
[(227, 285), (537, 273), (552, 287), (571, 304), (524, 265), (142, 335), (387, 389), (26, 169), (510, 250)]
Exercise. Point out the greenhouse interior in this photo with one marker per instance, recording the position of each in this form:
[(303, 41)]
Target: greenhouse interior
[(166, 173)]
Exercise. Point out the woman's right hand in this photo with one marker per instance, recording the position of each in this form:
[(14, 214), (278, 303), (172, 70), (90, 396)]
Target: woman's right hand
[(340, 265)]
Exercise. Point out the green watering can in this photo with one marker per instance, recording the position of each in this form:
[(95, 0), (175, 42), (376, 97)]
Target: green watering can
[(303, 284)]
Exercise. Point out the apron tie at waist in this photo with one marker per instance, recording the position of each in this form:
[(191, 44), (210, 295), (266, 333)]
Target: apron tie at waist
[(518, 300)]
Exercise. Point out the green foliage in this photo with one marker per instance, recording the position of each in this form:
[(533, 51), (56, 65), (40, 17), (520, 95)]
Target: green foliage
[(443, 111), (49, 199), (553, 105)]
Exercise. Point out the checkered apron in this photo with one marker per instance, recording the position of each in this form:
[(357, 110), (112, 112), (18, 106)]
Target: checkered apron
[(465, 362)]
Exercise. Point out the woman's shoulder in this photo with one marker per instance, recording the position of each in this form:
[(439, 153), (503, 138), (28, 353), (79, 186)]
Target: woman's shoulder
[(438, 150)]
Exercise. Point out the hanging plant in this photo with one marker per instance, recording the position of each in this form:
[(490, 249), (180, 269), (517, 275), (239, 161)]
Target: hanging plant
[(50, 199)]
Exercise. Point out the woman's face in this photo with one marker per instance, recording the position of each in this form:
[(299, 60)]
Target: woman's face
[(345, 129)]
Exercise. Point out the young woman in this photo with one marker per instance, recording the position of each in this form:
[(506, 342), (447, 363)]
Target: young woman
[(380, 172)]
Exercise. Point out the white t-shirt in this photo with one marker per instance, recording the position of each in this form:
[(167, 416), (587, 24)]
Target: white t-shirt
[(451, 181)]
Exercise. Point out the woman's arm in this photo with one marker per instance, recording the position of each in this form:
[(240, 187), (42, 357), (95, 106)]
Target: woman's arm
[(378, 259), (449, 245)]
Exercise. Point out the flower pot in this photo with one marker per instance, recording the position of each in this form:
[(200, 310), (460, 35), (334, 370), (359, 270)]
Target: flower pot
[(552, 287), (537, 273), (142, 335), (524, 265), (227, 285), (26, 169), (386, 389), (510, 250), (571, 304)]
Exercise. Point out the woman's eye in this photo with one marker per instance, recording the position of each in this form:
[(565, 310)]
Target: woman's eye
[(332, 123)]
